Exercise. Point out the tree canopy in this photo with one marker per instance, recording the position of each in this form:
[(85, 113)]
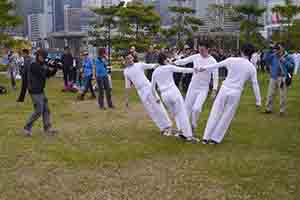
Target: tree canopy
[(7, 21), (135, 24)]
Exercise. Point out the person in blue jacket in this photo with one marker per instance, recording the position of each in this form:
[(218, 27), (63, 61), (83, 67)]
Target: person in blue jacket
[(281, 64), (102, 79), (88, 77)]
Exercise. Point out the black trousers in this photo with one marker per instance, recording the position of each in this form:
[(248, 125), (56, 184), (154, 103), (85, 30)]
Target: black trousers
[(66, 73), (103, 86), (23, 89), (12, 79)]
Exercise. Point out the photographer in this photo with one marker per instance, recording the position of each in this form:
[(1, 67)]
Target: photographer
[(37, 75)]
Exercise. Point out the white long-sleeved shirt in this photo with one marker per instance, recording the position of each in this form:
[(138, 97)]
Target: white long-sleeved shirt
[(239, 71), (135, 75), (201, 79), (163, 76)]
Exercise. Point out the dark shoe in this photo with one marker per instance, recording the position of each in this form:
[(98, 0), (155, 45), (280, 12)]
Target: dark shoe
[(20, 101), (27, 132), (213, 142), (80, 98), (102, 108), (282, 114), (50, 131), (268, 112), (92, 97), (189, 139), (112, 107), (204, 141)]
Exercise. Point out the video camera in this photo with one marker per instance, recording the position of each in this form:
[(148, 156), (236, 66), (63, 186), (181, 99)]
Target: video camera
[(55, 63)]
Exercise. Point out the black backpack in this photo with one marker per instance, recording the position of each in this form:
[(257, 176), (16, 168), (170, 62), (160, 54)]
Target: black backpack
[(3, 90)]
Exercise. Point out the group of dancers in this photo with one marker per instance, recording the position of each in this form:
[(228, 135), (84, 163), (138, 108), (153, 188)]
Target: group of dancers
[(240, 69)]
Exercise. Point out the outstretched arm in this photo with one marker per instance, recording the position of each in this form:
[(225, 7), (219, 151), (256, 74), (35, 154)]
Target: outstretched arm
[(182, 69), (224, 63), (185, 61), (149, 66), (153, 88)]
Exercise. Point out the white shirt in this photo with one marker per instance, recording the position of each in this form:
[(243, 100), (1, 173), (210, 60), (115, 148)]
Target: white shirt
[(163, 76), (296, 57), (239, 71), (255, 58), (135, 75), (201, 79)]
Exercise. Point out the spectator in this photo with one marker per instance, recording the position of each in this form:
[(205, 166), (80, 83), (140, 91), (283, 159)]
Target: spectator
[(12, 69), (280, 64), (102, 79), (24, 73), (88, 77), (67, 60)]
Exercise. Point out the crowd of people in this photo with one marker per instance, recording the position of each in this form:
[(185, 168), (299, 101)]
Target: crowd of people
[(171, 83)]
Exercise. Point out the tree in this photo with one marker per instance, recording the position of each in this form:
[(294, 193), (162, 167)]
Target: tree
[(184, 23), (287, 14), (293, 35), (102, 28), (7, 21), (248, 15), (137, 25)]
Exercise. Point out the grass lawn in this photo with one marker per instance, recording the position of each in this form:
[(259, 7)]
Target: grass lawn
[(119, 154)]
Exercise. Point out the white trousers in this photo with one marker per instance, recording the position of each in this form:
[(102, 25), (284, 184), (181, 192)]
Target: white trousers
[(296, 67), (194, 101), (157, 113), (222, 113), (175, 104)]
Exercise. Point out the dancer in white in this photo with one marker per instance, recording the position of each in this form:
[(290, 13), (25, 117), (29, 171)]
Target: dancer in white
[(239, 71), (199, 86), (296, 57), (171, 96), (134, 74)]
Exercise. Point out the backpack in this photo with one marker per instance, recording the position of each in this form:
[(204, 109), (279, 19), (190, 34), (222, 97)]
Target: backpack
[(289, 76), (3, 90)]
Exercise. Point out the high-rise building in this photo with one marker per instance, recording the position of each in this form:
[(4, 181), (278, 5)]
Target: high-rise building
[(72, 19), (108, 3), (91, 3), (40, 18), (73, 3), (38, 26)]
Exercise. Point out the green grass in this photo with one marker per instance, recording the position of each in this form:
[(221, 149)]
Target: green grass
[(119, 154)]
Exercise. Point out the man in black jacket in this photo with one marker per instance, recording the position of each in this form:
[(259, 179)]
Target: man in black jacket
[(24, 74), (37, 75)]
